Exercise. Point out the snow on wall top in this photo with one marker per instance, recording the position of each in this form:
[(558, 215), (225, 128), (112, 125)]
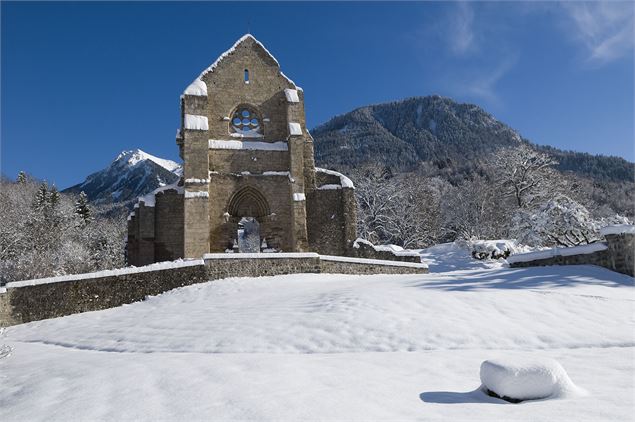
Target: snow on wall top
[(291, 95), (243, 255), (617, 229), (249, 145), (551, 253), (195, 122), (295, 128), (108, 273), (198, 86), (149, 200), (344, 181), (372, 261), (394, 249)]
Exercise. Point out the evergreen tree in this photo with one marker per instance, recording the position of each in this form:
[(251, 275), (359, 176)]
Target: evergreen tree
[(54, 197), (21, 178), (82, 210), (41, 196)]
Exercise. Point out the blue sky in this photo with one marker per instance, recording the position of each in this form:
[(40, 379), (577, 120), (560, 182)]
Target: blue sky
[(82, 81)]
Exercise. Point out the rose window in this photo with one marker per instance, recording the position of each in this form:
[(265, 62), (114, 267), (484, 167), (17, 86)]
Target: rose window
[(246, 122)]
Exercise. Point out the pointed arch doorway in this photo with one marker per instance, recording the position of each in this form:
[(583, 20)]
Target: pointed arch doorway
[(245, 208)]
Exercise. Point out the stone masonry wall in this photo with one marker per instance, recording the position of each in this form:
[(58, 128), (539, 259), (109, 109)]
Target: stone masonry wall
[(51, 300), (618, 257), (54, 299)]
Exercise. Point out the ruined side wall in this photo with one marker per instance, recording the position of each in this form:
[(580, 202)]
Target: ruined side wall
[(331, 216), (326, 222), (168, 216)]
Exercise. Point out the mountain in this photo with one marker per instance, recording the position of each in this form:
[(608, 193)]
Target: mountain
[(132, 174), (440, 132)]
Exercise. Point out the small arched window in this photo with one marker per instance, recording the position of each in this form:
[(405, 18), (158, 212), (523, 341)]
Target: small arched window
[(246, 122), (246, 76)]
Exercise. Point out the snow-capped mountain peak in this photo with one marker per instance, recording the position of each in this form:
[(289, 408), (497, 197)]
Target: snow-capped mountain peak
[(133, 173), (135, 156)]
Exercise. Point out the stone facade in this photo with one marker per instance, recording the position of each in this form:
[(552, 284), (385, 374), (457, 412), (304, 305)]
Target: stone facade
[(247, 156), (42, 299)]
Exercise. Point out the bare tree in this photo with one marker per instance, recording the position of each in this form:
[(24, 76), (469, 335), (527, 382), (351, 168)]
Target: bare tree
[(526, 175)]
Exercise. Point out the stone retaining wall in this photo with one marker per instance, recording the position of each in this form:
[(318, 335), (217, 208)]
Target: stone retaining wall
[(58, 298), (34, 300), (618, 256)]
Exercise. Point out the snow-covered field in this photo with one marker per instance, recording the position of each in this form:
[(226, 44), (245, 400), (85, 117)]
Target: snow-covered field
[(324, 346)]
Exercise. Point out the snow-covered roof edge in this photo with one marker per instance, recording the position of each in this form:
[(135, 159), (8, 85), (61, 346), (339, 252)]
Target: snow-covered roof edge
[(344, 181), (618, 229), (199, 88)]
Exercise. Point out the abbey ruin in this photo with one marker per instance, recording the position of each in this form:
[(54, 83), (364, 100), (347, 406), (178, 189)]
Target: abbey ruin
[(249, 182)]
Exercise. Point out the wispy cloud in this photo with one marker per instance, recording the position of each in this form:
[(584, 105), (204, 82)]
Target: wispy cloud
[(483, 86), (605, 29), (461, 36)]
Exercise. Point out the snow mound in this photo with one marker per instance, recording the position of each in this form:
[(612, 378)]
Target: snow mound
[(527, 379)]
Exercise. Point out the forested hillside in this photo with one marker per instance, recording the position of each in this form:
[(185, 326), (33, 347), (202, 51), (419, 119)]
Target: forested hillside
[(437, 136)]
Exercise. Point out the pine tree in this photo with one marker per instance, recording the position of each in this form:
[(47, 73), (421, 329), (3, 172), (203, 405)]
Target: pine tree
[(41, 197), (54, 197), (21, 178), (82, 210)]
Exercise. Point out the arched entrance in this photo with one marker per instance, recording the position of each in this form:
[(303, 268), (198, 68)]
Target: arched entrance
[(246, 207), (248, 235)]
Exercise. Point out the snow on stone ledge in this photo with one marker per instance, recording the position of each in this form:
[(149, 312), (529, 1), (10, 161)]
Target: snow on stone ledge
[(278, 255), (330, 187), (394, 249), (249, 145), (291, 95), (195, 181), (196, 194), (299, 197), (195, 122), (198, 88), (149, 200), (180, 263), (529, 378), (295, 128), (344, 181), (550, 253), (617, 229), (372, 261)]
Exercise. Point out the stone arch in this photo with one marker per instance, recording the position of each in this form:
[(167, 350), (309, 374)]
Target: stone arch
[(248, 202)]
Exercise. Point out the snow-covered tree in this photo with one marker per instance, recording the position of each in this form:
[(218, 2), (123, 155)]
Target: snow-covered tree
[(39, 235), (526, 175), (21, 179), (560, 221), (82, 210)]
